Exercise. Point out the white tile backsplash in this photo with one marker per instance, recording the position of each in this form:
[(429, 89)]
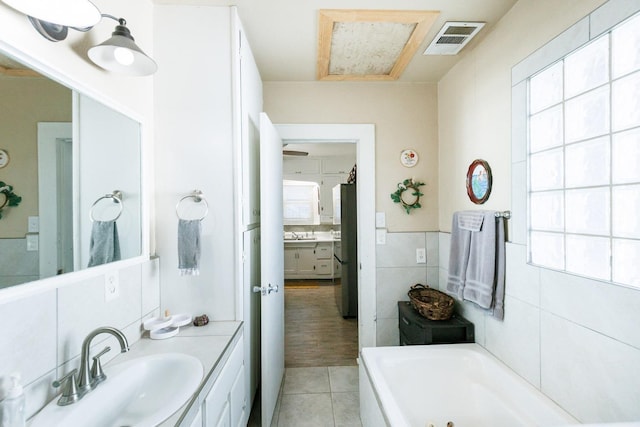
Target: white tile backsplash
[(592, 376), (41, 334), (393, 285), (387, 332), (28, 337)]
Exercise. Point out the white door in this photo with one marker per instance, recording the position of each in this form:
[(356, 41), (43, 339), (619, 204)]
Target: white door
[(272, 268)]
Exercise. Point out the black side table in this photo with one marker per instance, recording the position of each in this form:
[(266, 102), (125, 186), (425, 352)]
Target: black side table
[(418, 330)]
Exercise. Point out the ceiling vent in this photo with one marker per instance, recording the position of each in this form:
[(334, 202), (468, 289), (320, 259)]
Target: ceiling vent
[(453, 37)]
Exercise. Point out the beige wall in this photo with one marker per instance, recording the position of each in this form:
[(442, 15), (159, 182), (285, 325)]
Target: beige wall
[(404, 116), (25, 101), (474, 100)]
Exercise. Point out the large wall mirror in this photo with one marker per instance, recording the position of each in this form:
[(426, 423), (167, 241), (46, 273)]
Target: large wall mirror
[(67, 152)]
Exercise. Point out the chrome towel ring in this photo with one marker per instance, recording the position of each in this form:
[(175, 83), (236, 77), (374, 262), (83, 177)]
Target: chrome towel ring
[(197, 197), (117, 198)]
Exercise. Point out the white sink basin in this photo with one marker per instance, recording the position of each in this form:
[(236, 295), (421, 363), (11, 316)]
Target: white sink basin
[(140, 392)]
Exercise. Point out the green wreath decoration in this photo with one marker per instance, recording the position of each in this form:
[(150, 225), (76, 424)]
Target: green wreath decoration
[(405, 185), (10, 198)]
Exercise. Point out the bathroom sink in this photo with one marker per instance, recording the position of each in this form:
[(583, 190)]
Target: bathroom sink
[(139, 392)]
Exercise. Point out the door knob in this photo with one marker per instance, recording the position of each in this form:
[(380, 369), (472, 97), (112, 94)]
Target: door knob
[(272, 288)]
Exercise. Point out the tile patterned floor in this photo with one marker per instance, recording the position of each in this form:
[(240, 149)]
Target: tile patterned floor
[(319, 397), (320, 386)]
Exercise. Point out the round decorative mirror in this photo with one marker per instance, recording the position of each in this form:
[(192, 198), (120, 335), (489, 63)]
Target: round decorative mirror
[(479, 181)]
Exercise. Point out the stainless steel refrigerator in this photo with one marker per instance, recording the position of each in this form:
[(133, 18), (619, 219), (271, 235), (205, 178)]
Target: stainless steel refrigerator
[(347, 288)]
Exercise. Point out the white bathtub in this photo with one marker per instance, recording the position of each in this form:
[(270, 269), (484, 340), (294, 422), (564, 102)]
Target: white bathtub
[(419, 386)]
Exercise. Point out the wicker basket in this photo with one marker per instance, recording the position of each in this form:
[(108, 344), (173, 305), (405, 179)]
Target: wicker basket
[(431, 303)]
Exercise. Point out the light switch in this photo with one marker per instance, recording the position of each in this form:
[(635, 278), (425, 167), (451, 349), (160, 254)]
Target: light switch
[(381, 236), (381, 221), (33, 224)]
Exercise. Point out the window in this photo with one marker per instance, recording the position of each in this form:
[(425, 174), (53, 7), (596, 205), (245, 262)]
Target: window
[(301, 202), (584, 159)]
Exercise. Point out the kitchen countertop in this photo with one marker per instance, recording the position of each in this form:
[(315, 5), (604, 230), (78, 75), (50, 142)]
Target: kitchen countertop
[(321, 237)]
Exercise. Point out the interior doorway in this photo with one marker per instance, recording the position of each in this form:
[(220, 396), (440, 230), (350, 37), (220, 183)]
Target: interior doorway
[(363, 136)]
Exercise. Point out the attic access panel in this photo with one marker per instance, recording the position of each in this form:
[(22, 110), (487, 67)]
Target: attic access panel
[(369, 44)]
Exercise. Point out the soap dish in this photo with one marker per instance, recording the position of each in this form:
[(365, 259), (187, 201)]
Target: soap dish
[(164, 333), (180, 319), (157, 323)]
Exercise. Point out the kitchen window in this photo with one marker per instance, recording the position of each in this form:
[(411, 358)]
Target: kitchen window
[(584, 159), (301, 202)]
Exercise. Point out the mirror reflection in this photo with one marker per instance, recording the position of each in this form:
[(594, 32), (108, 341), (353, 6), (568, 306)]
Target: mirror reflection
[(67, 152)]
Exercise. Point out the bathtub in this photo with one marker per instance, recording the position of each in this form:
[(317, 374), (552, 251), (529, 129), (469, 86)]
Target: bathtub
[(420, 386)]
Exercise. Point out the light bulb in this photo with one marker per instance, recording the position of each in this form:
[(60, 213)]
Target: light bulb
[(123, 56)]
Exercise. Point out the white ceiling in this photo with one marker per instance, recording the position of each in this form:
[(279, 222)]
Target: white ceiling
[(283, 33)]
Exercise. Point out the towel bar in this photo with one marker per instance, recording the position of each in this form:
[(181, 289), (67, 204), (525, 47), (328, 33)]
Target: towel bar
[(504, 214), (197, 196), (116, 195)]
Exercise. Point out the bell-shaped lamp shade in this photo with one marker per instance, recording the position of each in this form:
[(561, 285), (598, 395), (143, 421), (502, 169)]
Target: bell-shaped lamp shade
[(70, 13), (121, 55)]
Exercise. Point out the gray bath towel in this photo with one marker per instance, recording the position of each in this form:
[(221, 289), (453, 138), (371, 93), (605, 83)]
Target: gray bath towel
[(477, 262), (458, 257), (481, 267), (189, 247), (498, 294), (104, 246)]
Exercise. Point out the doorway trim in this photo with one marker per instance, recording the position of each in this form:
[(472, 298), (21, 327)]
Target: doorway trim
[(363, 135)]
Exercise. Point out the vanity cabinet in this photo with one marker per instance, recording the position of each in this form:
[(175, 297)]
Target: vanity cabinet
[(225, 405)]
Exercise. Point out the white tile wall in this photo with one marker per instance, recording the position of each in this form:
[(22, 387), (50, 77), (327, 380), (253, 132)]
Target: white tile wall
[(41, 335), (592, 376), (396, 272)]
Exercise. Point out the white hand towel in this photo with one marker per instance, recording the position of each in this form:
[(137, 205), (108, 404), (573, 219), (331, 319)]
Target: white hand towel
[(189, 247)]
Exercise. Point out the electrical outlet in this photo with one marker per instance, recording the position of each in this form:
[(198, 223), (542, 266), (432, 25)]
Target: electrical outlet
[(421, 256), (381, 236), (111, 286), (32, 242)]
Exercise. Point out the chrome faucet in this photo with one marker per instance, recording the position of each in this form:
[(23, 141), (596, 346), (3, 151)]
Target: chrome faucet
[(87, 382), (73, 390)]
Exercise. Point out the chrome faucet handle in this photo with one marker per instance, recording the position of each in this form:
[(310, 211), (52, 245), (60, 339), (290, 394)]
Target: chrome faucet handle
[(97, 374), (69, 389)]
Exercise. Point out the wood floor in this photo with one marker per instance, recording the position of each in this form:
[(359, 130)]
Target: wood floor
[(315, 332)]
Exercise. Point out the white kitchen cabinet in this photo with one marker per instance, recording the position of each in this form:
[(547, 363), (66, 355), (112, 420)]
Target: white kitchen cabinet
[(225, 405), (326, 196), (339, 165), (299, 260), (297, 165)]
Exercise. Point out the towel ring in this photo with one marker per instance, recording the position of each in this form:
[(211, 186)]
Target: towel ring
[(117, 198), (197, 196)]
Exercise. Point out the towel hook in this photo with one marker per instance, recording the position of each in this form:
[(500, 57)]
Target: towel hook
[(116, 195), (197, 197)]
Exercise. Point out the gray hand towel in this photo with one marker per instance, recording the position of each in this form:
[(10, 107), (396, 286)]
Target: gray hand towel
[(189, 247), (104, 246), (481, 267)]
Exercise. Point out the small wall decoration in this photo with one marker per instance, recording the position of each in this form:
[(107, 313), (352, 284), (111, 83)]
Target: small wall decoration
[(399, 196), (479, 181), (8, 197), (408, 158), (4, 158)]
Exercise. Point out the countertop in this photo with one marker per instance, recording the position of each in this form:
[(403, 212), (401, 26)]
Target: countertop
[(320, 237), (207, 343)]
